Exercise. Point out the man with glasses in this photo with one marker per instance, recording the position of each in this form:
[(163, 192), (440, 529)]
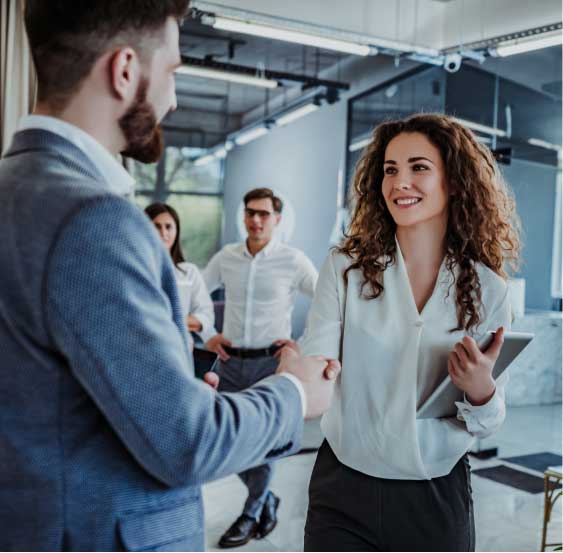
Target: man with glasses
[(261, 278)]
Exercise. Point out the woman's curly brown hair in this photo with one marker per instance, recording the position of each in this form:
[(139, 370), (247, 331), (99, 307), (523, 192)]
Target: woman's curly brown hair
[(482, 223)]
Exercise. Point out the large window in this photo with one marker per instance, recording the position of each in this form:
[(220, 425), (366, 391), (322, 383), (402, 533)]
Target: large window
[(194, 190)]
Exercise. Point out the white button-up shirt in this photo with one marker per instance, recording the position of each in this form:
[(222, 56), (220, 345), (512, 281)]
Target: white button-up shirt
[(393, 357), (259, 291), (117, 179), (194, 297)]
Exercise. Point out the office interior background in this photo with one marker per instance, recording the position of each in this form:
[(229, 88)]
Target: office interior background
[(285, 95)]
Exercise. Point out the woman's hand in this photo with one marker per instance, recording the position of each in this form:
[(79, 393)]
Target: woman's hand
[(471, 369), (193, 323)]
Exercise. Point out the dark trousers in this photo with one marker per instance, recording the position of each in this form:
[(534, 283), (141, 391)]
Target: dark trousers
[(238, 374), (351, 511)]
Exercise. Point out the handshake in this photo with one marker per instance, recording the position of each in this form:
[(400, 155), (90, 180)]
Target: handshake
[(317, 375)]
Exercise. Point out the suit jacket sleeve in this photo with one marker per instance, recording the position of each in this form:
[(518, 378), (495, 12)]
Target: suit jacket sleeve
[(109, 316)]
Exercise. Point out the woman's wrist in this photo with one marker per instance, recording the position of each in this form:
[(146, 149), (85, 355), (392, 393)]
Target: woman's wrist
[(482, 394)]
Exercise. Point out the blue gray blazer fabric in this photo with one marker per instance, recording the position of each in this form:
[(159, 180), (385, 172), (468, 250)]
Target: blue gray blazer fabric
[(105, 438)]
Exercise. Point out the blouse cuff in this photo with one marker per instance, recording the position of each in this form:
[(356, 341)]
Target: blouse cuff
[(482, 419)]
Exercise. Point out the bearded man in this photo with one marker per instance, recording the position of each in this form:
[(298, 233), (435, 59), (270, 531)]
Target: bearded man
[(106, 436)]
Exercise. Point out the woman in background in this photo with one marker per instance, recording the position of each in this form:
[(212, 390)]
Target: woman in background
[(405, 301), (194, 297)]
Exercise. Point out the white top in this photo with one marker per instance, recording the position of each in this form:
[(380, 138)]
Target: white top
[(392, 359), (194, 297), (118, 180), (259, 291)]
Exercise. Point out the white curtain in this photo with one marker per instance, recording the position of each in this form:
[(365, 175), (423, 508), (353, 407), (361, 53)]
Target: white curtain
[(18, 82)]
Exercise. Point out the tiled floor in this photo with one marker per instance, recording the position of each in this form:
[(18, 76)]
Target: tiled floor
[(506, 519)]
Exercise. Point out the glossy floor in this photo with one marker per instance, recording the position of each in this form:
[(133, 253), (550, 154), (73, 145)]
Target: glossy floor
[(506, 519)]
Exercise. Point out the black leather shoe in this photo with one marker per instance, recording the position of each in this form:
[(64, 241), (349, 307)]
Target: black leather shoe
[(241, 532), (268, 518)]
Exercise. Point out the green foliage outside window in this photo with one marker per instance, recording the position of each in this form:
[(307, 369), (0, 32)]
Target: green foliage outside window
[(194, 191)]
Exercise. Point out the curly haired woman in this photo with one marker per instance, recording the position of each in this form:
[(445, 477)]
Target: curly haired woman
[(407, 298)]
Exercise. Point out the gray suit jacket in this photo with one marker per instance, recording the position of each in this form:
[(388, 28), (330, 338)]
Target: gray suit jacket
[(105, 438)]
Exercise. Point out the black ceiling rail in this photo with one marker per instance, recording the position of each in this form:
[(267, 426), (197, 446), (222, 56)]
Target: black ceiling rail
[(306, 80)]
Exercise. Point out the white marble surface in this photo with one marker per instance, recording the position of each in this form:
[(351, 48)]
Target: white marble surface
[(506, 519), (535, 376)]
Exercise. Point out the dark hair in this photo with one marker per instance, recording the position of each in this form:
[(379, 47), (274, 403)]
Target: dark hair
[(482, 224), (66, 37), (153, 211), (262, 193)]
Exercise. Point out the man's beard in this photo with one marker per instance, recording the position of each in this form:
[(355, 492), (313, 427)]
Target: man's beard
[(143, 134)]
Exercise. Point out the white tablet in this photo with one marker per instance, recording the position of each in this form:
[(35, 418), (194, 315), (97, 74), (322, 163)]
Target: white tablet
[(442, 401)]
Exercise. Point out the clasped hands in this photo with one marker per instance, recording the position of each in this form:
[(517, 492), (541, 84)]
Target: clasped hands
[(317, 375)]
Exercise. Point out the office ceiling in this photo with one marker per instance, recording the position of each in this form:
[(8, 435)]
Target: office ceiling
[(209, 110)]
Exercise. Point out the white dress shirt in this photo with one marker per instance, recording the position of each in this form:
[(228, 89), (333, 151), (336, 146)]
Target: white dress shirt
[(260, 291), (116, 177), (194, 297), (392, 358)]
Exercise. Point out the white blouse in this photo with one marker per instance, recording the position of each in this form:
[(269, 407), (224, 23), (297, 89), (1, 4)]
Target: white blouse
[(392, 358), (194, 298)]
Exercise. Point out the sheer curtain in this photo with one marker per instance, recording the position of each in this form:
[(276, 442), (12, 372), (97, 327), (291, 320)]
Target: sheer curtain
[(17, 75)]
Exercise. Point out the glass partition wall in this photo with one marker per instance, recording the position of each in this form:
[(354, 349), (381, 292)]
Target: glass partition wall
[(514, 106)]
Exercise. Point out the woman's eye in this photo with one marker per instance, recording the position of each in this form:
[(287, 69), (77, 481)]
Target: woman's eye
[(420, 167), (390, 170)]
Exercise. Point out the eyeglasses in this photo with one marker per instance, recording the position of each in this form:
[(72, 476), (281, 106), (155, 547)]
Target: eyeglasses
[(263, 214)]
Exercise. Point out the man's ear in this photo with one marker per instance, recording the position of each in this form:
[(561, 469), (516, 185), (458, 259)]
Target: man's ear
[(124, 73), (278, 218)]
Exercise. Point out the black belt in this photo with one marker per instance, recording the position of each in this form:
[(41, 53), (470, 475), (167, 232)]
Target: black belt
[(245, 353)]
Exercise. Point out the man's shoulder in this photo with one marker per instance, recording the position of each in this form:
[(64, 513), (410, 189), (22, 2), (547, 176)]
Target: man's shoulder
[(283, 249), (235, 249)]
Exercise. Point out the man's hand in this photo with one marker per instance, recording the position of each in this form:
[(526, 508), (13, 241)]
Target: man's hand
[(212, 379), (471, 369), (317, 375), (290, 344), (216, 344)]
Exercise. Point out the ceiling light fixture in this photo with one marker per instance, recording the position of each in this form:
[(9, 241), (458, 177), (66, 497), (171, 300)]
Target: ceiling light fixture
[(297, 113), (287, 35), (480, 128), (359, 144), (544, 144), (204, 160), (250, 135), (208, 73), (526, 44)]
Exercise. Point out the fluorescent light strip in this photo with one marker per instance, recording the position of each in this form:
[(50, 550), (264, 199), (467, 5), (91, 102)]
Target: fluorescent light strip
[(480, 128), (209, 73), (248, 136), (204, 160), (527, 44), (296, 114), (544, 144), (238, 26), (359, 145)]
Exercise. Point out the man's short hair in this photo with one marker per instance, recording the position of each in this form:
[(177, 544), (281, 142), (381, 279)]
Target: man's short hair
[(261, 193), (66, 37)]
